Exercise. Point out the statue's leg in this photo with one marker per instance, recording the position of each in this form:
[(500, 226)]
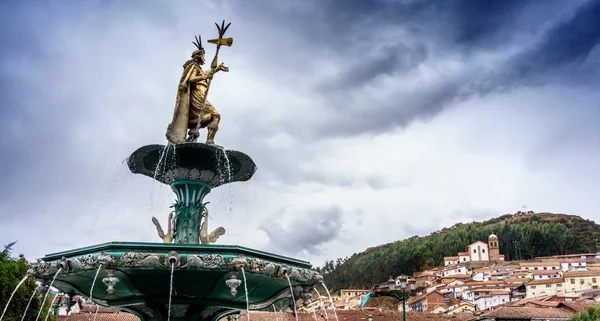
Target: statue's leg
[(192, 132), (213, 126)]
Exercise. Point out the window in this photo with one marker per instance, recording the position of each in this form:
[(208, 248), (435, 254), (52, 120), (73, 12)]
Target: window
[(545, 268), (533, 287), (474, 251), (483, 251), (572, 281), (559, 285), (548, 285), (464, 258), (593, 280)]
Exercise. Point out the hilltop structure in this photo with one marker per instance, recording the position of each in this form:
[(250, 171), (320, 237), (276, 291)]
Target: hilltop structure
[(478, 251)]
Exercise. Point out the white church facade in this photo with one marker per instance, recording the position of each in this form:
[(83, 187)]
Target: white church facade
[(478, 251)]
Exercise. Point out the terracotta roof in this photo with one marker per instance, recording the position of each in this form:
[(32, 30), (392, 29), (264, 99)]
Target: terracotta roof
[(527, 313), (546, 263), (547, 281), (517, 280), (542, 304), (575, 306), (91, 308), (581, 273), (546, 272), (346, 315), (99, 317)]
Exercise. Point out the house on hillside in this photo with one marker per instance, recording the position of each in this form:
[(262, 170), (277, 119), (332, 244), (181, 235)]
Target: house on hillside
[(537, 288), (478, 251), (346, 294), (427, 302)]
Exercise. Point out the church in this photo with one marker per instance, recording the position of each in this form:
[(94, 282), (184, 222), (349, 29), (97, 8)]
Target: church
[(478, 251)]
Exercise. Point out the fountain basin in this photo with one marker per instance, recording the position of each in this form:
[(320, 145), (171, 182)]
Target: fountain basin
[(135, 277), (192, 161)]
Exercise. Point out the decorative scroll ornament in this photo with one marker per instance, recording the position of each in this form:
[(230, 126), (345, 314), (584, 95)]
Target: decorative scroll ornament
[(136, 259), (207, 261), (262, 266)]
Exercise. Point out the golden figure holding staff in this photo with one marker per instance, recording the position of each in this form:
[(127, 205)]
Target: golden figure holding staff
[(192, 110)]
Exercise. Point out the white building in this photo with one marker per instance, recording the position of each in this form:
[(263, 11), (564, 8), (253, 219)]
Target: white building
[(478, 252)]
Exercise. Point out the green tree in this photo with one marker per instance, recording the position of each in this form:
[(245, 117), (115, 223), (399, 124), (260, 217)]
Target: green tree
[(592, 313), (12, 270)]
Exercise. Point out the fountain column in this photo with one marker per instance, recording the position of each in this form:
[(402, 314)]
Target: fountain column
[(188, 210)]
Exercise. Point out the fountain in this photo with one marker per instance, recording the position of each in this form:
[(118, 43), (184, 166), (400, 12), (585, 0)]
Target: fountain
[(187, 276)]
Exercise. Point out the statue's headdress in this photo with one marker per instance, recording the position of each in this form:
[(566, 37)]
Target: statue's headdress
[(198, 44)]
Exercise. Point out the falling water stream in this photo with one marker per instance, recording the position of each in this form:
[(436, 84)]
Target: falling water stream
[(46, 295), (246, 290), (28, 303), (293, 299), (11, 296), (330, 300), (315, 313), (321, 303), (170, 291), (275, 310), (50, 307), (94, 282), (96, 313)]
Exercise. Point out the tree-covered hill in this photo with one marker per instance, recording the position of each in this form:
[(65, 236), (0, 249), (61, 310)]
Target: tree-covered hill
[(521, 236)]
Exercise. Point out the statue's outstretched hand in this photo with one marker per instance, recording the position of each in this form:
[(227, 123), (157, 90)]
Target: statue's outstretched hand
[(222, 67)]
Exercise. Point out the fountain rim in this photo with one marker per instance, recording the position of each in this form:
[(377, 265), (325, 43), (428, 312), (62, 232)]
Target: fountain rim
[(180, 248)]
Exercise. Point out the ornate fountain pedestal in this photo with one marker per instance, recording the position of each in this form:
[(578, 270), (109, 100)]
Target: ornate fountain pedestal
[(207, 279), (192, 170)]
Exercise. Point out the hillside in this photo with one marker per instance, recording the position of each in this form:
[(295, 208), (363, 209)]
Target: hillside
[(536, 234)]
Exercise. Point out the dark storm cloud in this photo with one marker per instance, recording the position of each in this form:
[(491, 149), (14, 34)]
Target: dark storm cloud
[(306, 231), (567, 45), (435, 30)]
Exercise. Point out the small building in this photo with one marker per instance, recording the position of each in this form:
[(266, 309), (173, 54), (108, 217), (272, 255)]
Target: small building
[(347, 294), (427, 302)]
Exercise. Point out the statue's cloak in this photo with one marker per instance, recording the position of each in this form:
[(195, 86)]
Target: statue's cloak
[(177, 129)]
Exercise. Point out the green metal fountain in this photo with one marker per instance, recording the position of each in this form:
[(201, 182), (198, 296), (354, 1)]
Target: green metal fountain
[(185, 277)]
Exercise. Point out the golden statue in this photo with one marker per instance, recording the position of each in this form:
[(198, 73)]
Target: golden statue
[(192, 110)]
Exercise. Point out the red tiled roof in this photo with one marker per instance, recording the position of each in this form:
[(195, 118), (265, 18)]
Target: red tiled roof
[(99, 317), (346, 315), (527, 313)]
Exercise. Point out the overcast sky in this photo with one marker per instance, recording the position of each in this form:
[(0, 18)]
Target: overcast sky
[(370, 121)]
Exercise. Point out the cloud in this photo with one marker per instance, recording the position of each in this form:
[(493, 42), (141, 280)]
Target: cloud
[(371, 123), (293, 231)]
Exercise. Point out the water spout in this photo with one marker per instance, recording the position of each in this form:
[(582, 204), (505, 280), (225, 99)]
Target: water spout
[(94, 282), (11, 296), (96, 313), (275, 310), (170, 291), (246, 290), (330, 300), (46, 295), (50, 307), (321, 303), (315, 314), (28, 303), (292, 292)]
